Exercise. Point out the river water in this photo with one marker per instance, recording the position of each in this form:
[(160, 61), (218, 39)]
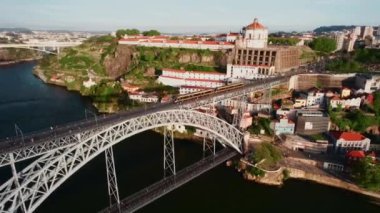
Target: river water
[(32, 105)]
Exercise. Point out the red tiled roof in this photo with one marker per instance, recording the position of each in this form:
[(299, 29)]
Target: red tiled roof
[(195, 87), (233, 34), (192, 79), (348, 136), (355, 154), (250, 65), (255, 25), (158, 40), (199, 72)]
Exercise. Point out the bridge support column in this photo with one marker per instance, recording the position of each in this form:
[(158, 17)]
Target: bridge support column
[(17, 183), (169, 154), (209, 146), (113, 190), (240, 110)]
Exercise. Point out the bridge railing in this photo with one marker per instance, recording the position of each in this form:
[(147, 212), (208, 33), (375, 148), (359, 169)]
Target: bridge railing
[(57, 131)]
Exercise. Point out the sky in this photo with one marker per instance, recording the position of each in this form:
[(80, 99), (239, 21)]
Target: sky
[(176, 16)]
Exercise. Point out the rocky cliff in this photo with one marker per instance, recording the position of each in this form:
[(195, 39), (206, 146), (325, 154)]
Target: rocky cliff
[(11, 54)]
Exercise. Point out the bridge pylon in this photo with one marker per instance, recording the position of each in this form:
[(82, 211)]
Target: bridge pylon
[(209, 146), (113, 190), (169, 153)]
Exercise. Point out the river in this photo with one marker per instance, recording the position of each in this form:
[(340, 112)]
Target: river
[(32, 105)]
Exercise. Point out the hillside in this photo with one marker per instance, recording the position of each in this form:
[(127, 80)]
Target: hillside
[(327, 29), (107, 64), (14, 55)]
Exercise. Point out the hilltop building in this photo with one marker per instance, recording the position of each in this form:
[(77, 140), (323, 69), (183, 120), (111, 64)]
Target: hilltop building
[(191, 81), (254, 59), (345, 141)]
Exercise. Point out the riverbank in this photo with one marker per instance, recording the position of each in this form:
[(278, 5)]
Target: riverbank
[(6, 63), (295, 169)]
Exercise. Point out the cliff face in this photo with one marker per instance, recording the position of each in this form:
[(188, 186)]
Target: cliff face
[(194, 58), (17, 54), (119, 63)]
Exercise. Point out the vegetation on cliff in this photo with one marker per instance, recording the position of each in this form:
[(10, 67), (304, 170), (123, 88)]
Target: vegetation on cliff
[(151, 60), (359, 61), (266, 156), (14, 54), (103, 61), (367, 174), (323, 45), (283, 41)]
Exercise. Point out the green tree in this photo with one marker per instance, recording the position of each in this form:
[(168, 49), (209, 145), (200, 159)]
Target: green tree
[(367, 174), (323, 44), (268, 152), (121, 32), (376, 104), (283, 41), (151, 33), (132, 32)]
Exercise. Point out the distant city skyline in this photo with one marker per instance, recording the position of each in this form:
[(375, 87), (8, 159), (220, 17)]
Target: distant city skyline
[(186, 16)]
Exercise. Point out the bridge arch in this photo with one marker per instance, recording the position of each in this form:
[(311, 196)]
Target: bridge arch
[(37, 181)]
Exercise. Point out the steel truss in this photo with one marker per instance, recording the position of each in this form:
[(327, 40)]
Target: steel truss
[(47, 146), (234, 94), (209, 146), (113, 190), (38, 180), (40, 148), (169, 153)]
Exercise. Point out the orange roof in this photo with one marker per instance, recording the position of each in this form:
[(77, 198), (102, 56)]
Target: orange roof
[(348, 136), (198, 72), (355, 154), (255, 25)]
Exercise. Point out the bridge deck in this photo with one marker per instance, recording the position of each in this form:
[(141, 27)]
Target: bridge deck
[(44, 137), (159, 189)]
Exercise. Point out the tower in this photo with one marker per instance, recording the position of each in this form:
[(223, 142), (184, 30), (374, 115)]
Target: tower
[(255, 35)]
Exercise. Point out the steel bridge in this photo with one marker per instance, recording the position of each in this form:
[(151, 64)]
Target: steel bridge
[(60, 152), (41, 46)]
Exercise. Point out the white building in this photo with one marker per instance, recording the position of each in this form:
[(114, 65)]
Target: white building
[(366, 31), (167, 43), (249, 72), (89, 83), (369, 83), (284, 126), (191, 81), (255, 35), (349, 42), (339, 38), (315, 98), (143, 97), (345, 141), (357, 31), (231, 37), (346, 103)]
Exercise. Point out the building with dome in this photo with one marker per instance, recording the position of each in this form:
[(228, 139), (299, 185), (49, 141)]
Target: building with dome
[(254, 59), (255, 35)]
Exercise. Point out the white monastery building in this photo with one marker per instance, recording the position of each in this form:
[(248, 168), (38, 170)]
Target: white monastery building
[(255, 35), (191, 81), (164, 41)]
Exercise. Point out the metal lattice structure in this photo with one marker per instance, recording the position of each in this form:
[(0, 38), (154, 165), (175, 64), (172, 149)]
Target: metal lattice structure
[(46, 146), (169, 154), (113, 191), (28, 188)]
